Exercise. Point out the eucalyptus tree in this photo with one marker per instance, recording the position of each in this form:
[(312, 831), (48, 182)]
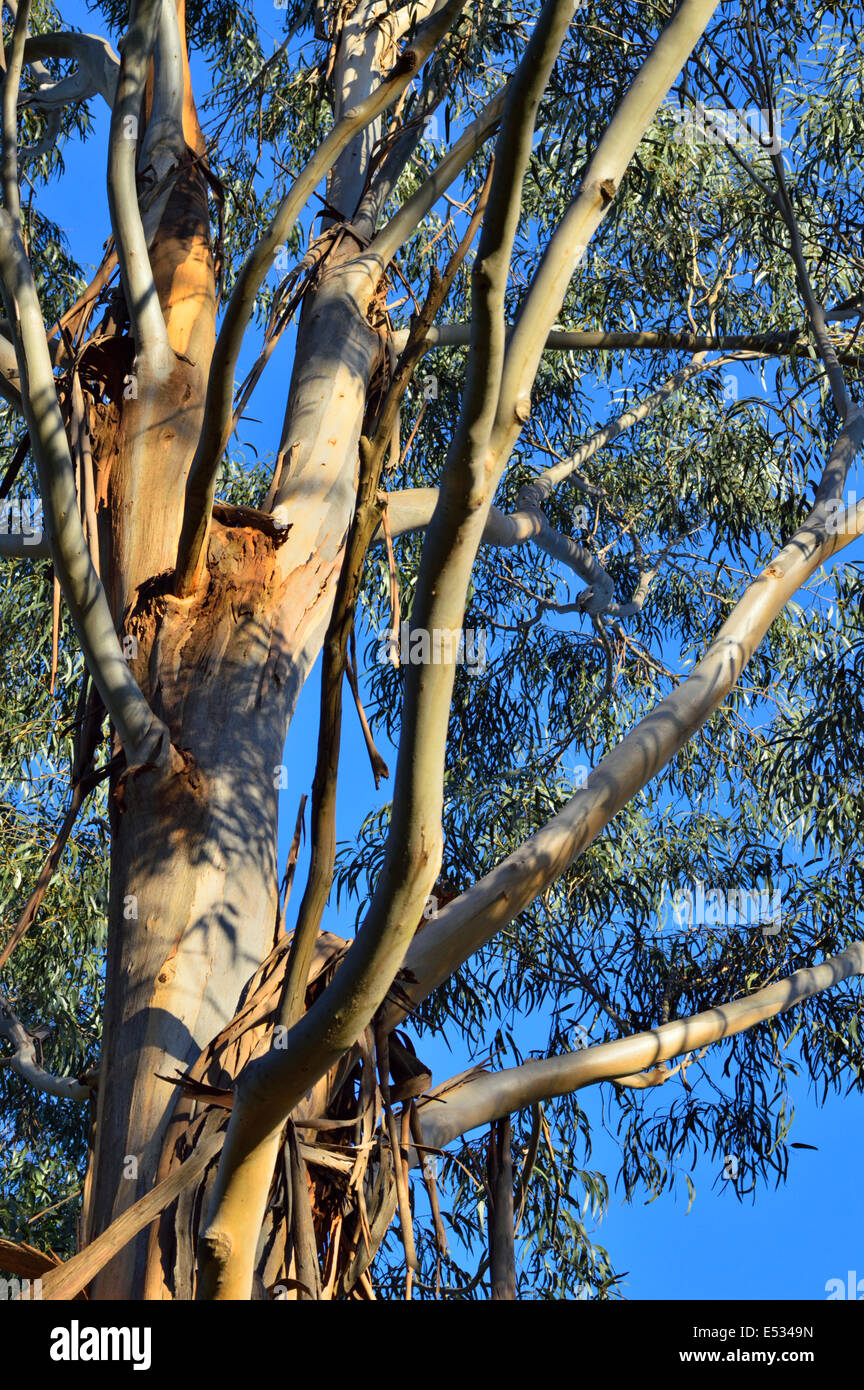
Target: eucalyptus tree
[(580, 637)]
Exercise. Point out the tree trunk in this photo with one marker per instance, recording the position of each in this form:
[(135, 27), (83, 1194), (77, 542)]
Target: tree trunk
[(193, 901), (193, 873)]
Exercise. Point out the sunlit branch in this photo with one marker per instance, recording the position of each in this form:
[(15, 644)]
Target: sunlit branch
[(144, 737), (487, 1096), (462, 926), (145, 312)]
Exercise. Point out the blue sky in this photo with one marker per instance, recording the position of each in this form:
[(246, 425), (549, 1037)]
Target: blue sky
[(793, 1240)]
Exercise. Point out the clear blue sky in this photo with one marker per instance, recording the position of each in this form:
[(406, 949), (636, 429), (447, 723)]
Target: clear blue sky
[(787, 1245)]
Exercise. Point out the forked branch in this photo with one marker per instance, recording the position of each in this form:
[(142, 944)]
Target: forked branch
[(464, 925)]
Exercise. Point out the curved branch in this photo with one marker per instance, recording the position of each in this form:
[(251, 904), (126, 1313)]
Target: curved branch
[(414, 508), (598, 600), (145, 312), (96, 74), (488, 1096), (143, 736), (462, 926), (24, 1060)]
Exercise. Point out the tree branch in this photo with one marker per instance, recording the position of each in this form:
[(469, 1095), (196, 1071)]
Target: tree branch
[(155, 356), (143, 736), (11, 86), (413, 508), (609, 340), (96, 74), (462, 926), (396, 232), (75, 1274), (619, 424), (25, 1063), (542, 303), (488, 1096), (335, 654)]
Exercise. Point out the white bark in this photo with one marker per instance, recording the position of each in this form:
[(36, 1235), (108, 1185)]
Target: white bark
[(155, 357), (24, 1060), (487, 1096), (96, 74)]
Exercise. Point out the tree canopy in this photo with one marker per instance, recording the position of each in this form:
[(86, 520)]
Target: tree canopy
[(682, 463)]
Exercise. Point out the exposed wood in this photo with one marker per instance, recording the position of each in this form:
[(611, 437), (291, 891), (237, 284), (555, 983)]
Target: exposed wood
[(70, 1278)]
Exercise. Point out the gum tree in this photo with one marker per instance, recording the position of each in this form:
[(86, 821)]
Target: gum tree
[(503, 243)]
